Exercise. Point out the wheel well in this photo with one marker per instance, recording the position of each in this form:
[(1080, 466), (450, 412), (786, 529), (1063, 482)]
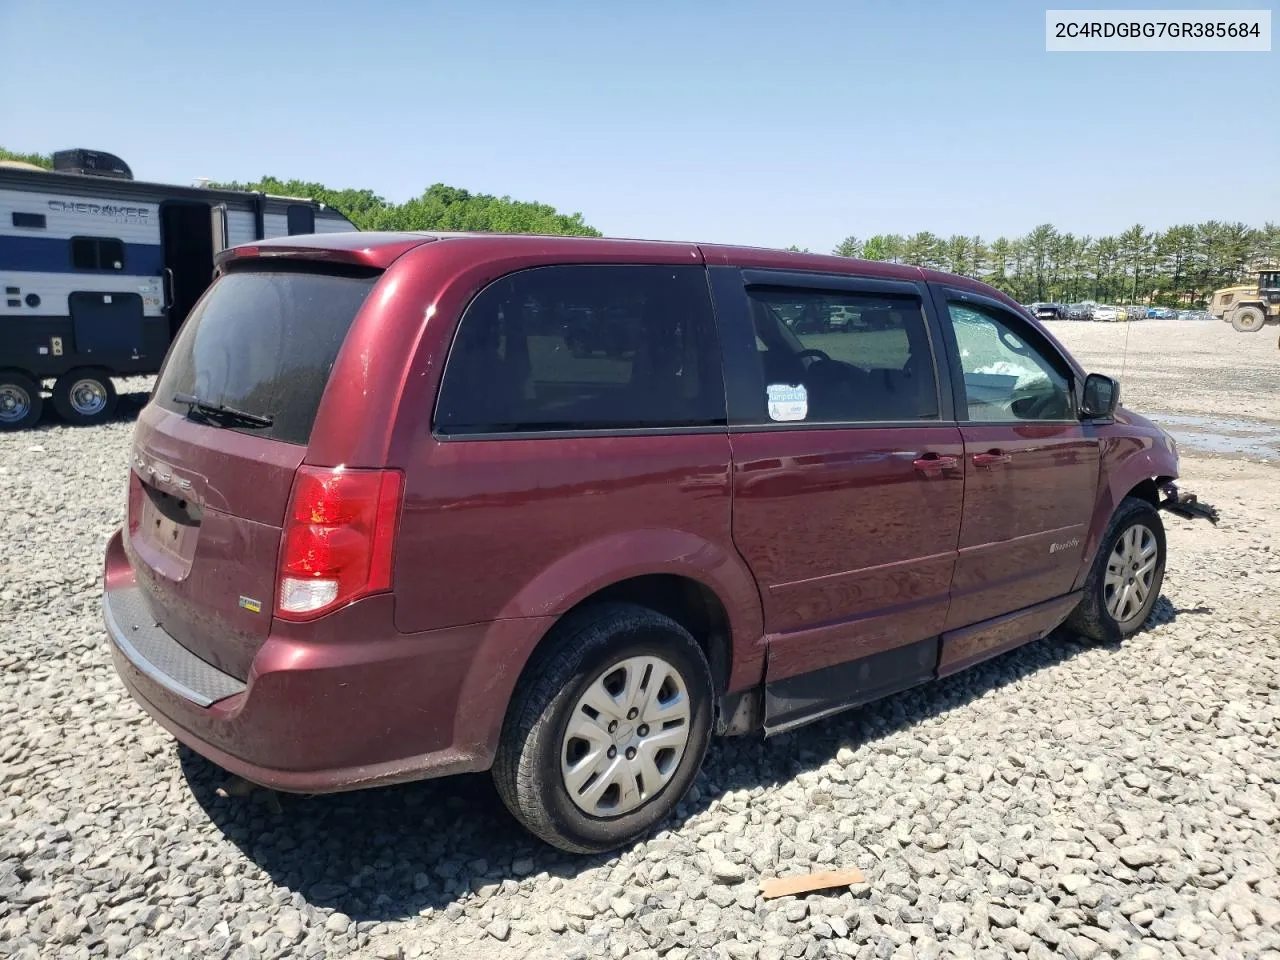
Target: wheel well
[(689, 603), (1147, 490)]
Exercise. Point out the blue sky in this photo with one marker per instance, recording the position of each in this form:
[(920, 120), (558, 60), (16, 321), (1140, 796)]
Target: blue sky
[(745, 122)]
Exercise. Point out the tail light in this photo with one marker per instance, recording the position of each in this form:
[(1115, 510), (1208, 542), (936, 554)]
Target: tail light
[(338, 539)]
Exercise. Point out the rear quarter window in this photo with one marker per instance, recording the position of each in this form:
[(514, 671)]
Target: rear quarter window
[(584, 348), (264, 343)]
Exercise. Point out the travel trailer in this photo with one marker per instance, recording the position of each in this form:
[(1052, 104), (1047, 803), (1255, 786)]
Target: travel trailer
[(99, 271)]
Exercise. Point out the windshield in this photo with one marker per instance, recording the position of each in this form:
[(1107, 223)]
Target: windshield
[(263, 344)]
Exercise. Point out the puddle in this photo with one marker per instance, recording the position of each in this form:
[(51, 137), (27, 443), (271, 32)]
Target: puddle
[(1223, 435)]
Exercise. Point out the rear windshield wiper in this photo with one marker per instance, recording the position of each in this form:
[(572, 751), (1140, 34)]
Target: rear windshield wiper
[(221, 412)]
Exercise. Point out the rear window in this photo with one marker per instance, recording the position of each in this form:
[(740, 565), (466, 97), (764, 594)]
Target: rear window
[(585, 348), (264, 343)]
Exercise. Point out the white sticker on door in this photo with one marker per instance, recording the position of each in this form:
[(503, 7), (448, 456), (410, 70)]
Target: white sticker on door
[(787, 402)]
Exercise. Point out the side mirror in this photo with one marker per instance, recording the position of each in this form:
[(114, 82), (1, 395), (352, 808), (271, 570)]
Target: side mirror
[(1101, 397)]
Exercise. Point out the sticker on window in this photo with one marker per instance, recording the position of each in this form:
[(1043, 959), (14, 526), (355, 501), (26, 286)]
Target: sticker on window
[(787, 402)]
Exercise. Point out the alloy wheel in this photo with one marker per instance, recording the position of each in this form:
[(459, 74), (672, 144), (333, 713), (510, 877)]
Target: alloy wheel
[(1131, 570)]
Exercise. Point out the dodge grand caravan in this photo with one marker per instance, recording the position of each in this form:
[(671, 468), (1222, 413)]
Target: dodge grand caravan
[(407, 505)]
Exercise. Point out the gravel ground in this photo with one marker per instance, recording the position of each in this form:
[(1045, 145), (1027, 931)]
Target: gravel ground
[(1201, 368), (1062, 800)]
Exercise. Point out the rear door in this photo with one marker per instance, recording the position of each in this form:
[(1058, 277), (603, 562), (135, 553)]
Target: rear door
[(1031, 466), (847, 480), (208, 492)]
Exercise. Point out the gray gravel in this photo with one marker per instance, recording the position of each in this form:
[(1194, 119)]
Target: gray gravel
[(1190, 367), (1062, 800)]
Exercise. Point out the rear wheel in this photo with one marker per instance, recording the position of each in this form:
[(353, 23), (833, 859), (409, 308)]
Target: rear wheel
[(84, 397), (20, 400), (605, 735), (1126, 576), (1247, 320)]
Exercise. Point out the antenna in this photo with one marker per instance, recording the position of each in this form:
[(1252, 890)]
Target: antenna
[(1125, 357)]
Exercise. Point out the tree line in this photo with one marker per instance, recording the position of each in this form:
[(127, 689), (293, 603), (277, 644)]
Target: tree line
[(440, 207), (1181, 265)]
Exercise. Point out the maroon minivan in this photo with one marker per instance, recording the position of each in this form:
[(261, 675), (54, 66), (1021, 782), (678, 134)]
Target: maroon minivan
[(407, 505)]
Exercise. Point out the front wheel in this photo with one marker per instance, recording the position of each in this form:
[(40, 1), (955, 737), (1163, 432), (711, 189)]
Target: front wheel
[(1124, 581), (605, 735), (1247, 320)]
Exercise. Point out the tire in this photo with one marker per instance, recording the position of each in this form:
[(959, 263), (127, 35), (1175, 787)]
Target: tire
[(537, 753), (1097, 617), (1247, 320), (20, 401), (85, 397)]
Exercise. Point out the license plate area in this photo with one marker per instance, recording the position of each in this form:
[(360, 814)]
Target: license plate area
[(170, 526)]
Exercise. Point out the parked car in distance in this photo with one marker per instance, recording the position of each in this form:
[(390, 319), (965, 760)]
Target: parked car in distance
[(1079, 311), (1161, 313), (1048, 311), (1195, 315), (1135, 312), (384, 523), (1107, 314)]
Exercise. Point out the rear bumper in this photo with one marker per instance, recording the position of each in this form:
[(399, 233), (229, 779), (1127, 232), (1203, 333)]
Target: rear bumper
[(159, 657), (337, 704)]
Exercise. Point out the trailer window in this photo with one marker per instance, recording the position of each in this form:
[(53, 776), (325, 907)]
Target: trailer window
[(97, 253), (301, 219), (35, 220)]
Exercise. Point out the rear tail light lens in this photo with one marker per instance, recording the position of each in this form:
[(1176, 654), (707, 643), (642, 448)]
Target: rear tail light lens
[(338, 539)]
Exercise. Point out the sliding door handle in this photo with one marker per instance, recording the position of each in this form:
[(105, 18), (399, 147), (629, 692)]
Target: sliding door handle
[(931, 463), (991, 458)]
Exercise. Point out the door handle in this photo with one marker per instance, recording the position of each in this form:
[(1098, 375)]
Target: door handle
[(990, 459), (932, 463)]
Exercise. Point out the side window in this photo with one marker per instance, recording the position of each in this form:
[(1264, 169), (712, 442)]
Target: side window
[(843, 357), (1005, 378), (97, 253), (584, 348)]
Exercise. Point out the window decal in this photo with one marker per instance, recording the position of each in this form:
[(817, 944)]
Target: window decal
[(787, 402)]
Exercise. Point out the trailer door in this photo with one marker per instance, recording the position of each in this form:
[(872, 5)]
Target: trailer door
[(221, 234), (187, 238)]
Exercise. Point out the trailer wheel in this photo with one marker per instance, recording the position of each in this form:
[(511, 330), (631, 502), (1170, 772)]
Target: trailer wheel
[(20, 400), (84, 397)]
